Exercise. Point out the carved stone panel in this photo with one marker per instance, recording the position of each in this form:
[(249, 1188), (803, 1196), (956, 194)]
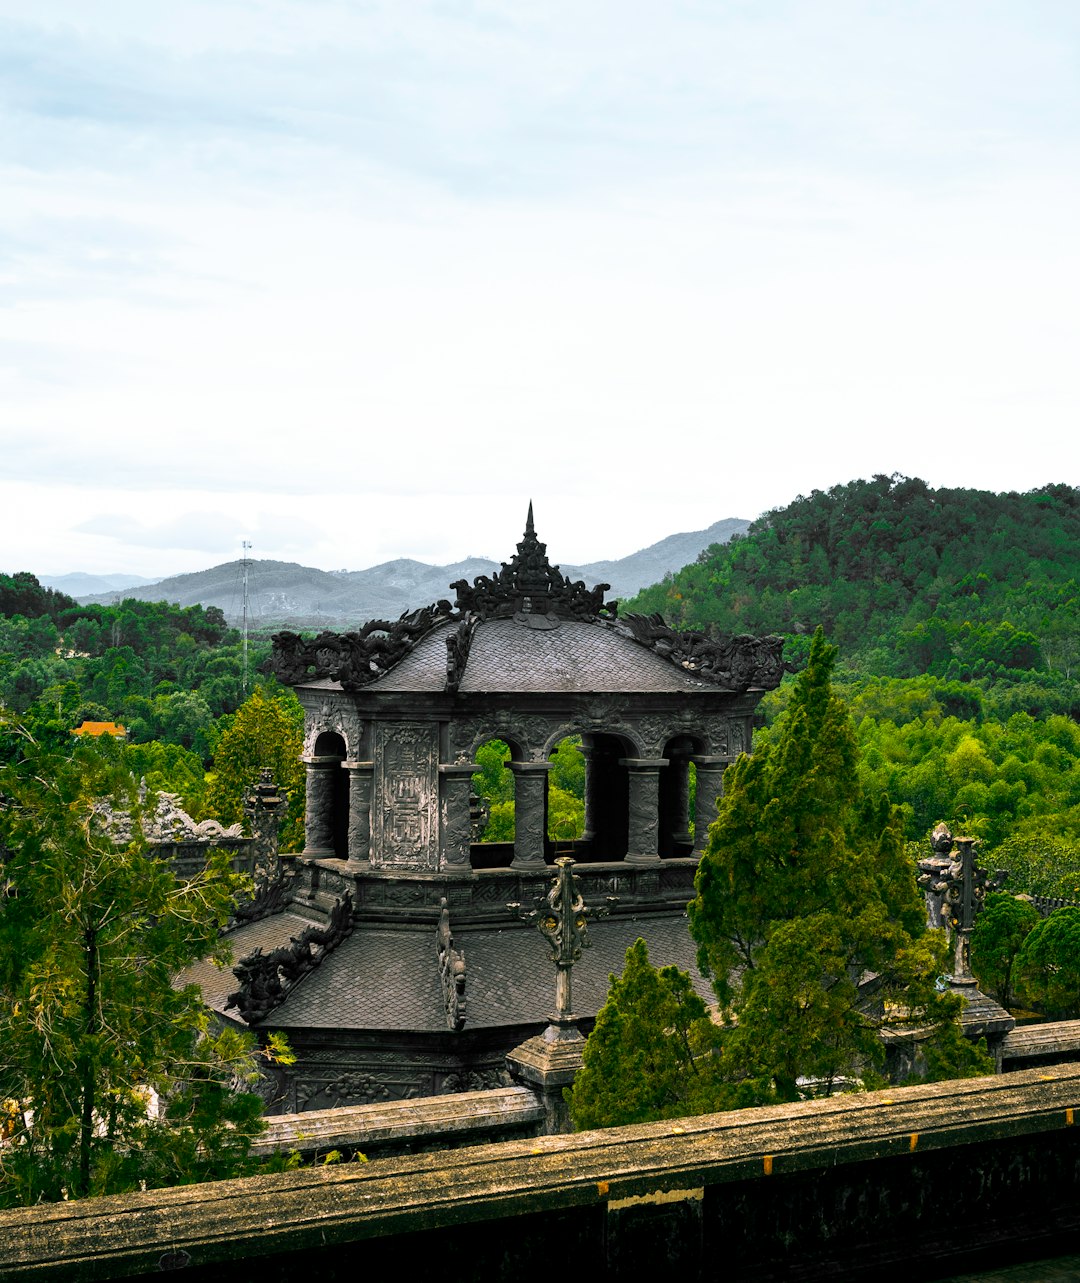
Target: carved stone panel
[(404, 804)]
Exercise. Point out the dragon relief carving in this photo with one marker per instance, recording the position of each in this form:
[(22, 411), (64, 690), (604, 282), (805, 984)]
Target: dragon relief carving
[(532, 591), (354, 659), (451, 970), (267, 979), (458, 643), (735, 663)]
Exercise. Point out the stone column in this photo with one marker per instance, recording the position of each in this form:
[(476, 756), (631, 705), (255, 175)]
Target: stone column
[(585, 748), (360, 777), (644, 827), (530, 813), (455, 823), (319, 807), (680, 820), (710, 788)]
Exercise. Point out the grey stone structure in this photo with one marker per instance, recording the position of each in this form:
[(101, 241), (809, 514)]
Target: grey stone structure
[(436, 980)]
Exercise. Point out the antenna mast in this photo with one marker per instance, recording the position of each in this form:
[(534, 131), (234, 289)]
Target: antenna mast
[(245, 563)]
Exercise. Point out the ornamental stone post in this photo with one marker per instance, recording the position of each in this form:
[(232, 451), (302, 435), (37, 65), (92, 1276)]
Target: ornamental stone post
[(644, 819), (360, 779), (319, 806), (530, 813), (455, 820), (710, 788)]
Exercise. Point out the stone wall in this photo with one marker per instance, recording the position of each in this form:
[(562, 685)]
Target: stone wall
[(890, 1184)]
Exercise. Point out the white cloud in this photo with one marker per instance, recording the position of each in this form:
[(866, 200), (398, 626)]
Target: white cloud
[(386, 277)]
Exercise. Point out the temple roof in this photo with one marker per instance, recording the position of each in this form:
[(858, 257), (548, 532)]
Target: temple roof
[(526, 628), (386, 977)]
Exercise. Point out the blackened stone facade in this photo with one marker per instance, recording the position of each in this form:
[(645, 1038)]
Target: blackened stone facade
[(395, 714)]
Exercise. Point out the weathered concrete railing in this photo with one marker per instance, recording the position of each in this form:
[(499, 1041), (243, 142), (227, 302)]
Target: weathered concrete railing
[(853, 1187), (407, 1126)]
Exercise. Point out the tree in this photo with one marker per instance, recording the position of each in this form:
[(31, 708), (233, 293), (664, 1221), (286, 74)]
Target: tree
[(651, 1053), (267, 732), (806, 913), (1000, 931), (92, 933), (1049, 964)]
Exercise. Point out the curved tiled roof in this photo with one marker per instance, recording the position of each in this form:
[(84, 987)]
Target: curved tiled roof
[(508, 655), (382, 978), (528, 628)]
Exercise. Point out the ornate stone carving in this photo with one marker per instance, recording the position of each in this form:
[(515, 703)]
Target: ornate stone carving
[(956, 889), (271, 897), (474, 1080), (735, 663), (167, 822), (354, 659), (561, 917), (267, 979), (529, 733), (336, 716), (451, 970), (457, 652), (530, 587), (406, 785)]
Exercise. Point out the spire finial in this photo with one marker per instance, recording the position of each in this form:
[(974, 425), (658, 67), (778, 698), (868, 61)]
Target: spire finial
[(529, 522)]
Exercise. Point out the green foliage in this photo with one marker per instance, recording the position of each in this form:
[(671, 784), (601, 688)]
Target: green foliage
[(494, 784), (804, 890), (1042, 859), (999, 935), (962, 585), (1049, 964), (652, 1052), (92, 932), (267, 732)]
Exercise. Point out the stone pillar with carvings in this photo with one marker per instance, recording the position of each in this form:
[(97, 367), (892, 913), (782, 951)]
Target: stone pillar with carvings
[(360, 777), (530, 813), (455, 821), (710, 788), (644, 826), (319, 806)]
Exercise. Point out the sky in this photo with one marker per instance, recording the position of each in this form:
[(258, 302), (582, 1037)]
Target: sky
[(356, 281)]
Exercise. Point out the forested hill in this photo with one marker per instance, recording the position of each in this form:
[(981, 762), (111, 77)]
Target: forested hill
[(908, 580)]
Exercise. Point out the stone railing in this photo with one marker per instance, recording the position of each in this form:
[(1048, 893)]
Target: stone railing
[(855, 1187)]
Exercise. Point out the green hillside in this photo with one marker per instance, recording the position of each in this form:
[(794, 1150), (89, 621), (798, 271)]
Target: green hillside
[(957, 584)]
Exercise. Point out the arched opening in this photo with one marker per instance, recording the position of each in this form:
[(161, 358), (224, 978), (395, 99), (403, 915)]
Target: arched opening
[(566, 798), (607, 797), (492, 807), (334, 801), (677, 781)]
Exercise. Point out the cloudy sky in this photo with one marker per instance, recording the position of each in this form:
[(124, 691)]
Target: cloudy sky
[(357, 280)]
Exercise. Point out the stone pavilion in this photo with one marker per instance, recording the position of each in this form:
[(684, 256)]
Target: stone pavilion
[(388, 953)]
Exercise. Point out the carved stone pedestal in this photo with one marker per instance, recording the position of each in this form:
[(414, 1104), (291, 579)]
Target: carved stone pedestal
[(548, 1063)]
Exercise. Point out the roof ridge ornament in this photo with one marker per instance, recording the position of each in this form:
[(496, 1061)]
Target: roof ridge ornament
[(529, 588)]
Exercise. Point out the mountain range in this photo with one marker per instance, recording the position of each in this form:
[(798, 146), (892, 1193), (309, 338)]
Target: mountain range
[(303, 596)]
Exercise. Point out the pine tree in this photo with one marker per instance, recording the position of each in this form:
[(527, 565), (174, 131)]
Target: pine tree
[(806, 913), (92, 932), (651, 1053)]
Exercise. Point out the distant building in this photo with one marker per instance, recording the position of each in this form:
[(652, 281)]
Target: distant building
[(101, 728)]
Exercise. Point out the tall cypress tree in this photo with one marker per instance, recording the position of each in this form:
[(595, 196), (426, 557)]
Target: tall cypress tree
[(806, 913)]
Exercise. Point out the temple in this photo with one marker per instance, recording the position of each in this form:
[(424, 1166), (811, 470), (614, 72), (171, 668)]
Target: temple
[(391, 955)]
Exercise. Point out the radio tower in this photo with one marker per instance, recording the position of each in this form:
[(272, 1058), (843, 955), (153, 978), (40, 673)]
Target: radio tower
[(244, 565)]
